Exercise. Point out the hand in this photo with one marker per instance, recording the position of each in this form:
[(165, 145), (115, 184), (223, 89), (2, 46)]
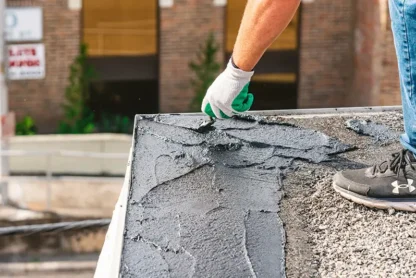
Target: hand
[(228, 95)]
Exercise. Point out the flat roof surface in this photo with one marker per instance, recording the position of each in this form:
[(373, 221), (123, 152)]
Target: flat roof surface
[(252, 197)]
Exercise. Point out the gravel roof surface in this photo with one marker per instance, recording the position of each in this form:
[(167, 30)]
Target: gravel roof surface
[(328, 236)]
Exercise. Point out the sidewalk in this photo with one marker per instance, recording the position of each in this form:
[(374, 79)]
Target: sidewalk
[(48, 269)]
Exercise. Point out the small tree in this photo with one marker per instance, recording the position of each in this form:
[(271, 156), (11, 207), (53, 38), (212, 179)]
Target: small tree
[(26, 126), (78, 118), (205, 69)]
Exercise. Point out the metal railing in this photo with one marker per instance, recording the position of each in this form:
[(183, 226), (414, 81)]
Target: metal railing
[(49, 173)]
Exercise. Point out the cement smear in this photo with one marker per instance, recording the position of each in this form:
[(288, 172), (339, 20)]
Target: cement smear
[(379, 132), (205, 204)]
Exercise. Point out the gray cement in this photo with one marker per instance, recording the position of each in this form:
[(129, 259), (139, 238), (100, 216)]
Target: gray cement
[(379, 132), (206, 204)]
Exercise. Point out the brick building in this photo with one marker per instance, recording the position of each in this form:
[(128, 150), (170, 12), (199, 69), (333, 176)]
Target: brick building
[(334, 53)]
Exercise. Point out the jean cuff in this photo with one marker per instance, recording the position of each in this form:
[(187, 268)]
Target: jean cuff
[(404, 139)]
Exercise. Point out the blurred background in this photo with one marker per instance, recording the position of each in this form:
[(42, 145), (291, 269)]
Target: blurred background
[(77, 71)]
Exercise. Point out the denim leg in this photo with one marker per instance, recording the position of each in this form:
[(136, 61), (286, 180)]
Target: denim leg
[(403, 16)]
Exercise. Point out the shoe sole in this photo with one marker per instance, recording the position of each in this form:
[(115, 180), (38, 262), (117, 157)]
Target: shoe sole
[(405, 204)]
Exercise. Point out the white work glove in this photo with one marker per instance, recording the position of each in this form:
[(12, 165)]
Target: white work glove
[(228, 95)]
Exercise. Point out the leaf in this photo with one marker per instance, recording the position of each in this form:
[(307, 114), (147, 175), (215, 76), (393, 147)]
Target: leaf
[(205, 69), (26, 126)]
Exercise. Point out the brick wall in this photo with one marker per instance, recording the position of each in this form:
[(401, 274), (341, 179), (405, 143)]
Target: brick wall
[(390, 86), (368, 51), (326, 39), (42, 99), (183, 28), (376, 79), (347, 55), (327, 56)]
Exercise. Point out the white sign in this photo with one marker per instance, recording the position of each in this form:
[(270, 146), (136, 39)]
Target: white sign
[(75, 5), (24, 24), (26, 61), (220, 3), (166, 3)]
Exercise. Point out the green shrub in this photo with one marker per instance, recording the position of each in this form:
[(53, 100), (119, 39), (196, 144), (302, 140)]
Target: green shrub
[(78, 118), (206, 69), (26, 126), (115, 124)]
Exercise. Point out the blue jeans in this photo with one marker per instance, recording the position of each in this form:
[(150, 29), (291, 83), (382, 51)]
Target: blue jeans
[(403, 16)]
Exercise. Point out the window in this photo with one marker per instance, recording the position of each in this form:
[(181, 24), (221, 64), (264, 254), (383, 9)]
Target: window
[(120, 28), (122, 39)]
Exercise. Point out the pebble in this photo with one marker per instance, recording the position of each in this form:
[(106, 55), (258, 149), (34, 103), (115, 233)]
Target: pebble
[(354, 241), (391, 211)]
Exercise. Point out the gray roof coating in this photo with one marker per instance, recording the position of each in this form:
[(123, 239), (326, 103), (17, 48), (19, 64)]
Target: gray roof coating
[(206, 203)]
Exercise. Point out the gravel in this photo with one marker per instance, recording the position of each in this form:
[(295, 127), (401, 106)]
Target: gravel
[(328, 236), (353, 241)]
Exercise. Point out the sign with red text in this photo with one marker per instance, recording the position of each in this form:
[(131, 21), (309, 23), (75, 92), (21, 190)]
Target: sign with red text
[(26, 61)]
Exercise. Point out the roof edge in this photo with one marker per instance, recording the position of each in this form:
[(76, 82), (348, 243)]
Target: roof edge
[(305, 112)]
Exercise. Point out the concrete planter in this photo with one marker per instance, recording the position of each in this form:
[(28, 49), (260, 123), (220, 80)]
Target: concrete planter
[(82, 197), (94, 143)]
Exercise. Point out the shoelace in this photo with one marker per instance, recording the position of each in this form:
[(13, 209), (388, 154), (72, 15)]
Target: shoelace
[(398, 162)]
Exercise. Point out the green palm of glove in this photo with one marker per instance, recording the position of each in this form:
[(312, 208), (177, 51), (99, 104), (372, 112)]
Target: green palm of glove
[(240, 104), (228, 95)]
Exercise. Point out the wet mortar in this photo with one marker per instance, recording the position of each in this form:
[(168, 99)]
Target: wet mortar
[(240, 200), (206, 204), (379, 132)]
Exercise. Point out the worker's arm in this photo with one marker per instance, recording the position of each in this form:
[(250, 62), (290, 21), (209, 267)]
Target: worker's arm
[(263, 22)]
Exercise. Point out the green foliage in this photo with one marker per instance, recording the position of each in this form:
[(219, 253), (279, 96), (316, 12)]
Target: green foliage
[(78, 118), (82, 125), (26, 126), (115, 124), (206, 69)]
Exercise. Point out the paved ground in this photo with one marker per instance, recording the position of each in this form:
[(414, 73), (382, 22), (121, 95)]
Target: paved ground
[(328, 236), (48, 266), (75, 274)]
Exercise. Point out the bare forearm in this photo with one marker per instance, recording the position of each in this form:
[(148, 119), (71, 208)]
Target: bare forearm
[(263, 22)]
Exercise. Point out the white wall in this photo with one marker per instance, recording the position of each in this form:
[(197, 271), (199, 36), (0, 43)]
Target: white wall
[(97, 143)]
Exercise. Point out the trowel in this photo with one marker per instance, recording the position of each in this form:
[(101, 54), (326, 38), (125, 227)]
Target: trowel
[(206, 125)]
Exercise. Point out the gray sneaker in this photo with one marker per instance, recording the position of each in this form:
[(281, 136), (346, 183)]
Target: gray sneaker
[(391, 184)]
